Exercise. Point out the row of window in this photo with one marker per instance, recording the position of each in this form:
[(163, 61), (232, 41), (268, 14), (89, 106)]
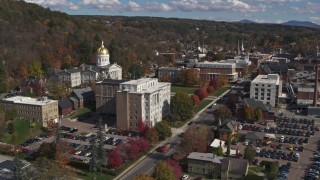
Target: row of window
[(263, 85), (261, 98)]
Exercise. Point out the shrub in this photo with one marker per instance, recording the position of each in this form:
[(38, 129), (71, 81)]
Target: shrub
[(210, 89), (195, 99)]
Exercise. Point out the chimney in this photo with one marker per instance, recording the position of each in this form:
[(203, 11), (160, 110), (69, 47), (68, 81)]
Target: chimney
[(315, 97)]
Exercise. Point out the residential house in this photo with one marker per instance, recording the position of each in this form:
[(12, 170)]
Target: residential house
[(65, 107), (85, 97), (226, 129), (33, 85), (233, 168), (217, 167), (267, 114), (204, 163)]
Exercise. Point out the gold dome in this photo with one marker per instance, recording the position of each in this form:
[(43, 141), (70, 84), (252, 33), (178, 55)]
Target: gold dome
[(102, 50)]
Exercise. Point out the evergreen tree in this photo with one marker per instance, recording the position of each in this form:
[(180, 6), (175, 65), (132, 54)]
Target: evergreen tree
[(94, 157), (228, 146), (3, 76), (58, 132), (18, 173), (101, 152)]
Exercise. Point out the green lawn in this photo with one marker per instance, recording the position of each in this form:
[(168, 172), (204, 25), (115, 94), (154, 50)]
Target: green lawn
[(256, 169), (221, 90), (23, 131), (188, 90), (79, 112), (202, 105), (251, 176)]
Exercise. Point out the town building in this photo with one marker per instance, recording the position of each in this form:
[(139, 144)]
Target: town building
[(211, 70), (106, 91), (102, 69), (71, 77), (266, 88), (83, 97), (172, 74), (169, 73), (41, 110), (65, 107), (267, 113), (145, 100), (217, 166)]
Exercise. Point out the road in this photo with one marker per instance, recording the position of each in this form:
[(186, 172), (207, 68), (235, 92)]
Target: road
[(147, 165)]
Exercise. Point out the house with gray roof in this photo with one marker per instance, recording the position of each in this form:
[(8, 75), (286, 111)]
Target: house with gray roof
[(84, 96), (267, 113), (233, 168), (217, 166)]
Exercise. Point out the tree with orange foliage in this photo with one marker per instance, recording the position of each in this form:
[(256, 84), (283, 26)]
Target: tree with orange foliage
[(195, 139), (195, 99), (143, 177), (210, 89), (222, 80), (62, 155), (214, 84), (165, 78), (201, 93)]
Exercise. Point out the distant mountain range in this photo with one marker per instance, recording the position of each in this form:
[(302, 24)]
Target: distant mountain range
[(302, 23), (289, 23)]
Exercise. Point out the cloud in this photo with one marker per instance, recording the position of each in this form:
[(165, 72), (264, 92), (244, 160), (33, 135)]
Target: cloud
[(310, 7), (55, 4), (151, 6), (315, 19)]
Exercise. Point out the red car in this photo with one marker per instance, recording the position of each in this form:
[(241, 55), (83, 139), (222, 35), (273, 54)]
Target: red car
[(24, 150), (273, 146), (163, 149)]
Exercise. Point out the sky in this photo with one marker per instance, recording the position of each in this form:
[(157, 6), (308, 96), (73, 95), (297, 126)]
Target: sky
[(262, 11)]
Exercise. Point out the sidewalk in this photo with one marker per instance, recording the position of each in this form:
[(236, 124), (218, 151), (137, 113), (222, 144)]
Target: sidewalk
[(175, 132)]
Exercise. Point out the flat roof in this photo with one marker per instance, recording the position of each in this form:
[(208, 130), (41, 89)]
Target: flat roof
[(28, 100), (140, 81), (216, 64), (205, 157), (267, 79)]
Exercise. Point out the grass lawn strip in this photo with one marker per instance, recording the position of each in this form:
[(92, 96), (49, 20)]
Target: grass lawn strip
[(79, 112), (202, 105), (188, 90)]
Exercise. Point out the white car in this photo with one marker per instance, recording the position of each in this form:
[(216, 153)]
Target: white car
[(86, 161), (185, 177), (258, 150), (77, 153), (240, 127), (87, 154)]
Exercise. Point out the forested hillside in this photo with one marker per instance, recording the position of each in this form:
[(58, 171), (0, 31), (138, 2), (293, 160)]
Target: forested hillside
[(30, 33)]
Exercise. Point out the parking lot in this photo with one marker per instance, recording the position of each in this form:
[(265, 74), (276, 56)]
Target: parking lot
[(295, 142)]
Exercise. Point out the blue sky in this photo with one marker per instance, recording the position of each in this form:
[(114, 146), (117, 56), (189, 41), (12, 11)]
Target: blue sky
[(268, 11)]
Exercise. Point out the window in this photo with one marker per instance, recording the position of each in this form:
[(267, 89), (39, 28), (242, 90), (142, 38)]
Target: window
[(269, 85)]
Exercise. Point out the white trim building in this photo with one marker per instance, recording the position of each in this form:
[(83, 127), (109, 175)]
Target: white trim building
[(266, 88)]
